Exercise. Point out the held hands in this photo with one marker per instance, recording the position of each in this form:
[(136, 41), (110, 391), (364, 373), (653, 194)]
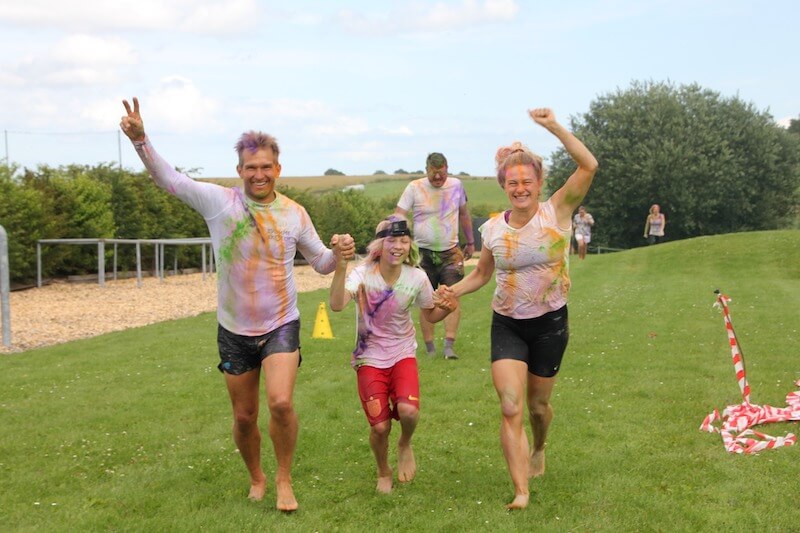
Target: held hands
[(131, 124), (445, 298), (343, 246), (543, 116)]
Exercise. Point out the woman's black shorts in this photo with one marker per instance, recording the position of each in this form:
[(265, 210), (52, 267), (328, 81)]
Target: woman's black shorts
[(540, 342)]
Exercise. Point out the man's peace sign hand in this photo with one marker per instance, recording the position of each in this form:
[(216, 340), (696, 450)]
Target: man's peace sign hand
[(132, 124)]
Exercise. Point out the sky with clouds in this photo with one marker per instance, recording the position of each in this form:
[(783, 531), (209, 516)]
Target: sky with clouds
[(361, 85)]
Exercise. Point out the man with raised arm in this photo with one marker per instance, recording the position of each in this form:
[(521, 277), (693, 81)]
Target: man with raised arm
[(255, 232)]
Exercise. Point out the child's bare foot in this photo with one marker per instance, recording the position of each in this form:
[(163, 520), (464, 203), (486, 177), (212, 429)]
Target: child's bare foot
[(286, 501), (536, 465), (406, 464), (520, 502), (384, 485), (257, 490)]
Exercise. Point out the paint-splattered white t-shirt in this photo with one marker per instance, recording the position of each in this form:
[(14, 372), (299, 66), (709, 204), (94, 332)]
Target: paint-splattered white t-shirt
[(386, 332), (531, 263), (254, 247), (435, 211)]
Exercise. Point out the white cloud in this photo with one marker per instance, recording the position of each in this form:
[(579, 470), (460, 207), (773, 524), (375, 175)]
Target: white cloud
[(288, 108), (82, 49), (8, 79), (80, 76), (364, 152), (313, 116), (201, 16), (419, 17), (785, 122), (341, 126), (102, 115), (403, 131), (469, 12), (178, 105), (75, 60)]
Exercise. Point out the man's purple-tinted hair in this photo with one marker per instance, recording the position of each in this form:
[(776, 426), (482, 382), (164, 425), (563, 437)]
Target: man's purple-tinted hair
[(253, 141)]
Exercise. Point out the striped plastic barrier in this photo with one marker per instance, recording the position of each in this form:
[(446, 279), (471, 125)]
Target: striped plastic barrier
[(736, 420)]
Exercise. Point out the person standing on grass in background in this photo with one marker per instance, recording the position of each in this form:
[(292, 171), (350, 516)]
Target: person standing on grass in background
[(582, 228), (528, 247), (654, 225), (438, 204), (385, 286), (255, 232)]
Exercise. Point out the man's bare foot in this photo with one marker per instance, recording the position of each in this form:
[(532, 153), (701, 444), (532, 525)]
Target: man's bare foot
[(384, 485), (257, 490), (286, 501), (536, 465), (520, 502), (406, 464)]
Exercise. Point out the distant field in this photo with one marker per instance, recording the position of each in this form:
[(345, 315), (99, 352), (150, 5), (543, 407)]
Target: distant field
[(322, 183), (480, 190)]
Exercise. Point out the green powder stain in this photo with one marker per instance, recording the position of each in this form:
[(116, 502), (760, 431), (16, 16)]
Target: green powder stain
[(559, 245), (230, 243)]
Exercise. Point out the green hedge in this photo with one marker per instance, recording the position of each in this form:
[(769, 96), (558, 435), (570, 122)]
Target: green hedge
[(103, 202)]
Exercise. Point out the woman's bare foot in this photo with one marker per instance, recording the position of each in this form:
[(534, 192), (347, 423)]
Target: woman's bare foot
[(536, 465), (286, 501), (520, 502), (406, 464), (257, 489)]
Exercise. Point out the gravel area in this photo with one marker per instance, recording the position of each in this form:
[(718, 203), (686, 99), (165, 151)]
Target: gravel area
[(62, 311)]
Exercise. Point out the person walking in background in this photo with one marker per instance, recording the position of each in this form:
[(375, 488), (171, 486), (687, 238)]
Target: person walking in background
[(582, 228), (528, 247), (654, 225), (385, 286), (255, 232), (438, 204)]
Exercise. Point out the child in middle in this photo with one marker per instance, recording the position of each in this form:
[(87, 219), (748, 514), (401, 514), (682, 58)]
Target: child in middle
[(385, 286)]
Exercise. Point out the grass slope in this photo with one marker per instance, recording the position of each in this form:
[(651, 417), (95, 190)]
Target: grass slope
[(131, 430)]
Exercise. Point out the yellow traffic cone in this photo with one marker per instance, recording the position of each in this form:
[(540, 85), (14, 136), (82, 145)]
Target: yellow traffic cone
[(322, 327)]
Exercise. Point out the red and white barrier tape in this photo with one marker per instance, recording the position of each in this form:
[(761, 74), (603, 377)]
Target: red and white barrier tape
[(736, 420)]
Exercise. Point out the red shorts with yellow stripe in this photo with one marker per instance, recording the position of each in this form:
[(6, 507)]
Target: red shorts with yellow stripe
[(381, 389)]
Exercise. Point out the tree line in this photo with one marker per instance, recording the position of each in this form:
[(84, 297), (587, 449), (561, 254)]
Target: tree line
[(713, 164), (102, 201)]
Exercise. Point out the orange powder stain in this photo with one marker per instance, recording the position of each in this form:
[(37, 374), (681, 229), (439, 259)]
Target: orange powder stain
[(511, 246), (277, 268)]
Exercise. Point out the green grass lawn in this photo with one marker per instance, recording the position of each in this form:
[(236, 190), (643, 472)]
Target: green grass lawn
[(131, 430)]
